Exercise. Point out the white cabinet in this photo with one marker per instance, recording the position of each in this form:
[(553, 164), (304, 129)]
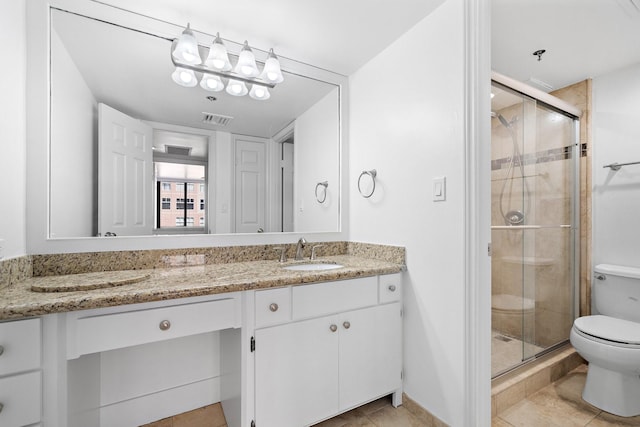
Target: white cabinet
[(20, 375), (309, 370)]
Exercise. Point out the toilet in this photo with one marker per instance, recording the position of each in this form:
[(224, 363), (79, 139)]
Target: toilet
[(610, 341)]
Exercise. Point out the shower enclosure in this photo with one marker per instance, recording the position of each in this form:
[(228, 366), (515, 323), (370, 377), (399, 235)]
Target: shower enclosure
[(534, 223)]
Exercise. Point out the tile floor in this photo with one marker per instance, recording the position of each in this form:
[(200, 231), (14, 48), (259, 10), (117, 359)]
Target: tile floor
[(506, 352), (379, 413), (556, 405), (560, 404)]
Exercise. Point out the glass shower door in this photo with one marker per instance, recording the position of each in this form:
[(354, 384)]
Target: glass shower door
[(533, 202)]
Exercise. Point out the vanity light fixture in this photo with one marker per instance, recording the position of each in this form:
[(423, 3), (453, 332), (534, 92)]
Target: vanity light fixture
[(186, 58)]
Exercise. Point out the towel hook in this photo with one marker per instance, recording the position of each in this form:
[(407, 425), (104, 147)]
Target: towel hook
[(324, 184), (372, 173)]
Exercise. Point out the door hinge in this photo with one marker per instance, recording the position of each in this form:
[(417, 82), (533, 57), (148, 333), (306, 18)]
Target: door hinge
[(253, 344), (489, 251), (253, 423)]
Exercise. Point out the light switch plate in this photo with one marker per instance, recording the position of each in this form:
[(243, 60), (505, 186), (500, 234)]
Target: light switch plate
[(439, 189)]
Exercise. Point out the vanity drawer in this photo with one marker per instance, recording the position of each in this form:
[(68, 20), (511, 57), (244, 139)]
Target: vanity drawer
[(20, 346), (390, 287), (273, 306), (20, 399), (98, 333), (333, 297)]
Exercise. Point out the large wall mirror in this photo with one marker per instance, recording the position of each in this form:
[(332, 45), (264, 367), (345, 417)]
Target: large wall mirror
[(216, 164)]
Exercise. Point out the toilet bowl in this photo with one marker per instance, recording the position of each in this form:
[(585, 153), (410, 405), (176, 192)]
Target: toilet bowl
[(610, 341)]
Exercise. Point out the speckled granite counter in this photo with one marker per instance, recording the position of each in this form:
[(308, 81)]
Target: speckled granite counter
[(19, 300)]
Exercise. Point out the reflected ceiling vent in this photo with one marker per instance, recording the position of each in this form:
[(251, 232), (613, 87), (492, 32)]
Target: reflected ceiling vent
[(216, 119), (177, 151)]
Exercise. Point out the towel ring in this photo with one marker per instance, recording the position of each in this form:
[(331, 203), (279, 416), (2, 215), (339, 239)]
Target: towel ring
[(372, 173), (324, 184)]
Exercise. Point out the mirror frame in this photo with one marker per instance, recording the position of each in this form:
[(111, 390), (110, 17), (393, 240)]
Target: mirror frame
[(38, 142)]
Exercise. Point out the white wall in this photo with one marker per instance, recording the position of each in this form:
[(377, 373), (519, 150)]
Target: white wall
[(406, 115), (74, 121), (13, 129), (316, 156), (223, 175), (616, 194)]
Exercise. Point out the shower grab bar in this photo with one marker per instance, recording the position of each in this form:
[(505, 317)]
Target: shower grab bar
[(616, 166), (527, 227)]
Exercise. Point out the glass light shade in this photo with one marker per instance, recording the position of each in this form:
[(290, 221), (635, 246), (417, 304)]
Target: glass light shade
[(271, 71), (246, 65), (236, 88), (184, 77), (260, 93), (187, 48), (211, 83), (218, 57)]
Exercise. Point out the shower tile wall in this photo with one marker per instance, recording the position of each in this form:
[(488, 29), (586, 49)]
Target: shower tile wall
[(535, 263)]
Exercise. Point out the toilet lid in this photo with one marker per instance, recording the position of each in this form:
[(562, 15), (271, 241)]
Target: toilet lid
[(609, 329)]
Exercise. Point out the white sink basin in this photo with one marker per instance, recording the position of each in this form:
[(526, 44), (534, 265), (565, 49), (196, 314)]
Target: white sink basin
[(312, 267)]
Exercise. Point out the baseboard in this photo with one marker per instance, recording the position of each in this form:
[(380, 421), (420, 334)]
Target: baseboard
[(426, 417)]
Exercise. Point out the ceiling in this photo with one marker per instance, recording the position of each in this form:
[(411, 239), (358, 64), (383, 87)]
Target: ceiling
[(582, 38), (337, 35)]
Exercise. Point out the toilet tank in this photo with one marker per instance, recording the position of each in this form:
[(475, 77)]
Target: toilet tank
[(617, 291)]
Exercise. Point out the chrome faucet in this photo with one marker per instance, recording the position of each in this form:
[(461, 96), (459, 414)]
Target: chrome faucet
[(299, 247)]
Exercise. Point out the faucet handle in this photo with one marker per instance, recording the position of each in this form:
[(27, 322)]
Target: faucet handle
[(283, 253), (313, 250)]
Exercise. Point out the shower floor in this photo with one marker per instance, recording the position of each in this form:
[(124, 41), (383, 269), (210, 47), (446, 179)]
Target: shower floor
[(506, 352)]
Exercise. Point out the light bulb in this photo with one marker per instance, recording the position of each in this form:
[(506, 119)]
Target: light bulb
[(271, 71), (236, 88), (218, 57), (246, 65), (184, 77), (260, 93), (211, 83), (186, 49)]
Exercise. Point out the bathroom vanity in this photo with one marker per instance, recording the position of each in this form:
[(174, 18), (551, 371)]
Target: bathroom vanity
[(276, 347)]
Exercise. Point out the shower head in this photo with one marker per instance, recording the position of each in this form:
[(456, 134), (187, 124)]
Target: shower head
[(504, 121)]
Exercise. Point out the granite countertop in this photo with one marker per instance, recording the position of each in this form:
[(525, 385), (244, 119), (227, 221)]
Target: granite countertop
[(18, 300)]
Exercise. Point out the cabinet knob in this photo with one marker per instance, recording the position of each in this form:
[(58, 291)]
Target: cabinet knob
[(1, 350), (165, 325), (392, 288), (333, 328), (346, 325), (273, 307)]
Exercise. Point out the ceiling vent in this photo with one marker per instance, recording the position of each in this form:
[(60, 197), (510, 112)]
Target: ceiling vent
[(216, 119), (177, 151)]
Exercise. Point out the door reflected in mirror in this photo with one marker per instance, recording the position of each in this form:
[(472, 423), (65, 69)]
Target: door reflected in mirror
[(132, 153)]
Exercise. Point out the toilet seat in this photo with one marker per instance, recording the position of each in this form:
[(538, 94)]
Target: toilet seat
[(610, 330)]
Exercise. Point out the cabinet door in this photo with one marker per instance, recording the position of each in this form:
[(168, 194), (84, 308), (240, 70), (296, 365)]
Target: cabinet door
[(370, 353), (296, 371)]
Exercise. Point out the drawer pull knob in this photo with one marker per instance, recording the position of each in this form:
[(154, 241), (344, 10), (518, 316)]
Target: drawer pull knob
[(333, 328), (346, 325), (392, 288), (273, 307), (1, 350), (165, 325)]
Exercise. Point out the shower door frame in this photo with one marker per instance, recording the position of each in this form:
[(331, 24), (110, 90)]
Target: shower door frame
[(573, 113)]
